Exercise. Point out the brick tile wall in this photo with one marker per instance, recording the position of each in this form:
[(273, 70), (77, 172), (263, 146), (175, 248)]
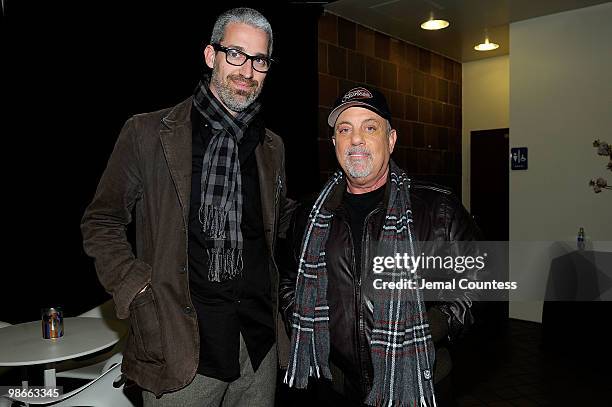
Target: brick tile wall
[(423, 90)]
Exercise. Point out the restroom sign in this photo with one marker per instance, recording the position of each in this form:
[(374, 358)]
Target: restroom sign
[(518, 158)]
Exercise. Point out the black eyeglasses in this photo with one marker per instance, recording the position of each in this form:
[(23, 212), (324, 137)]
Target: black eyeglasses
[(236, 57)]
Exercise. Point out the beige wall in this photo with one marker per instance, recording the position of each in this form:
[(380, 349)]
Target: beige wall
[(560, 101), (485, 101)]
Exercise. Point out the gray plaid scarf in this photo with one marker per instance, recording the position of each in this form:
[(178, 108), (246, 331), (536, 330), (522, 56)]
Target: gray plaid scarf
[(401, 347), (220, 210)]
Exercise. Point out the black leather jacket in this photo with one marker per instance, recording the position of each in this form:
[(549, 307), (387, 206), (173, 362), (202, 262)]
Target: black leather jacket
[(439, 218)]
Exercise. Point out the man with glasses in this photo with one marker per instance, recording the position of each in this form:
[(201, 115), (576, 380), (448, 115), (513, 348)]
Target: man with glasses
[(206, 182)]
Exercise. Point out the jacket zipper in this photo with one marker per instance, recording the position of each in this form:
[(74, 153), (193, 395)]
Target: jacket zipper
[(357, 293), (276, 212), (276, 209), (359, 326), (364, 257)]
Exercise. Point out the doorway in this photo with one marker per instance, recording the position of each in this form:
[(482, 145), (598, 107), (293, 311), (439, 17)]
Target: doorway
[(489, 180), (489, 196)]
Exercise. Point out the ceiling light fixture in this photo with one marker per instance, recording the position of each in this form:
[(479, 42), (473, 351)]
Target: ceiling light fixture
[(487, 45), (432, 24)]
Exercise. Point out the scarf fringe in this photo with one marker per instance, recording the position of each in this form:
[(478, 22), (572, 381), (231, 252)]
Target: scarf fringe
[(213, 220), (224, 264), (432, 404), (300, 383), (385, 402)]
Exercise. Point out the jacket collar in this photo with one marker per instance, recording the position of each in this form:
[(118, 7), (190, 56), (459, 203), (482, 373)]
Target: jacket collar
[(179, 115), (175, 136), (268, 165), (334, 202)]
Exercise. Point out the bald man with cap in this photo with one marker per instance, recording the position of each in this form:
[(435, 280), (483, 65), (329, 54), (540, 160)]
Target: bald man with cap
[(385, 347)]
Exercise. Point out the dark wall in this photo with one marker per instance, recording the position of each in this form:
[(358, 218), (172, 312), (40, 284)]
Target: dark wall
[(72, 74), (423, 90)]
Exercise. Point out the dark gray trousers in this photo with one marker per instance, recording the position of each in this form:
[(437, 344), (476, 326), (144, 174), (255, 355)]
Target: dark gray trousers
[(250, 389)]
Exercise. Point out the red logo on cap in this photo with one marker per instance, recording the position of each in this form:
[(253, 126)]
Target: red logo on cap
[(357, 93)]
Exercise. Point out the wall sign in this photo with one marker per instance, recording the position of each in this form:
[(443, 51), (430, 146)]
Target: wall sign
[(518, 158)]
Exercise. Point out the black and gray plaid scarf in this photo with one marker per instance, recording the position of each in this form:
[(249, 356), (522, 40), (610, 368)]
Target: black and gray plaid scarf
[(401, 347), (220, 210)]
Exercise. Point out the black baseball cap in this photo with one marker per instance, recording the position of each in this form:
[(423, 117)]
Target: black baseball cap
[(362, 97)]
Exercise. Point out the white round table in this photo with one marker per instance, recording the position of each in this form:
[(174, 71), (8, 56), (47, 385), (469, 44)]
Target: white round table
[(23, 344)]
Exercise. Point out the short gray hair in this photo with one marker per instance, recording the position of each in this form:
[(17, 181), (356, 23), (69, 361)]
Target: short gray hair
[(243, 15)]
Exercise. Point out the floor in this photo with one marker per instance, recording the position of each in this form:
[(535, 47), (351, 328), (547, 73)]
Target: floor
[(508, 365), (505, 366), (517, 369)]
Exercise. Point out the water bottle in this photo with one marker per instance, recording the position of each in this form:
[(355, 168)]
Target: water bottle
[(580, 239)]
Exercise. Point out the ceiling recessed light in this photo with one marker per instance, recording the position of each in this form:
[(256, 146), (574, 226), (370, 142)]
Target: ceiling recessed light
[(486, 46), (434, 24)]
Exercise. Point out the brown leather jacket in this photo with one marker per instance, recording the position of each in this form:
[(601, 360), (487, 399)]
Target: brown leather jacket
[(439, 220), (148, 180)]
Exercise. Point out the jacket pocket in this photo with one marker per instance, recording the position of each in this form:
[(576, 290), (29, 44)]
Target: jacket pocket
[(145, 328)]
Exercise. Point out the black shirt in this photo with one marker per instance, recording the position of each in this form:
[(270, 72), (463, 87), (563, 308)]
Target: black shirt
[(243, 305), (358, 207)]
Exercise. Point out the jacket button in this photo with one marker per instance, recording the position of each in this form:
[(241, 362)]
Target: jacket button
[(182, 269), (188, 310)]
